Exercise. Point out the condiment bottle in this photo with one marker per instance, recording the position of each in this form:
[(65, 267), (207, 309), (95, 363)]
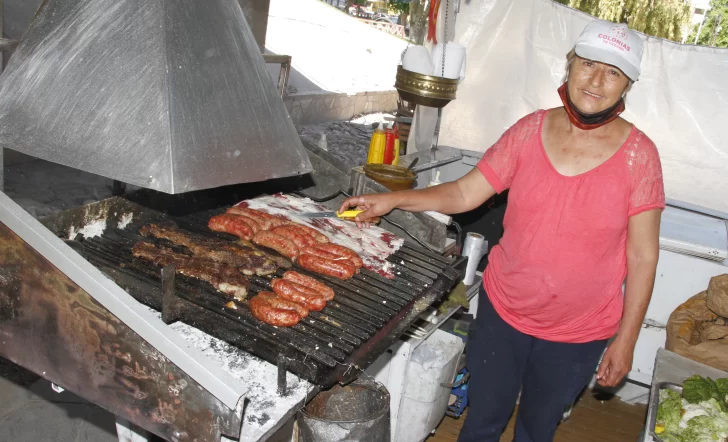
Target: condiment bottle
[(395, 161), (376, 146), (389, 145)]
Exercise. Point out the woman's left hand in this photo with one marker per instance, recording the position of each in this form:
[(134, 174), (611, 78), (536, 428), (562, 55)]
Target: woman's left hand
[(616, 363)]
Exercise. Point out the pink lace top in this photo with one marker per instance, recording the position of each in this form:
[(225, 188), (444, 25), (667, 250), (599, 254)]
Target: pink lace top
[(557, 272)]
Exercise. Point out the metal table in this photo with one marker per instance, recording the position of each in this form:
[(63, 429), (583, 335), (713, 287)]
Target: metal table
[(671, 367)]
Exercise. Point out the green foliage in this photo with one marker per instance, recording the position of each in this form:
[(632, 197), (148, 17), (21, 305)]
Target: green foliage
[(399, 7), (659, 18), (716, 16)]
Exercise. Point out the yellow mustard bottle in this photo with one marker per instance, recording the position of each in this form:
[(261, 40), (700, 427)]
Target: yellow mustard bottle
[(376, 146)]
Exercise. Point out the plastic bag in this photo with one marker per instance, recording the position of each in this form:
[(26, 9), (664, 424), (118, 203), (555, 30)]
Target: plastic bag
[(684, 333)]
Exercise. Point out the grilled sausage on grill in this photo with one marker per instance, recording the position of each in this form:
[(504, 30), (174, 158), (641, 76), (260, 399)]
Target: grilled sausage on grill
[(232, 224), (299, 294), (266, 220), (267, 307), (315, 234), (321, 288), (343, 252), (298, 238), (343, 269), (282, 245)]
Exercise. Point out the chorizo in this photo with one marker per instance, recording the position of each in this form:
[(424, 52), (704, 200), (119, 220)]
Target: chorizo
[(317, 286), (264, 311), (263, 222), (315, 234), (250, 221), (231, 224), (284, 304), (342, 269), (343, 252), (298, 294), (282, 245), (300, 240)]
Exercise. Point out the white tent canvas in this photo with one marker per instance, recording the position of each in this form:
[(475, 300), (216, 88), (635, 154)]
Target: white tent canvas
[(516, 60)]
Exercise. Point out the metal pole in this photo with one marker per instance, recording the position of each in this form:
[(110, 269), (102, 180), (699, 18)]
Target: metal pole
[(700, 28), (436, 136)]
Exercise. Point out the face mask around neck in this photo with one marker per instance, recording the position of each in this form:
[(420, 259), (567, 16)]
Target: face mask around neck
[(589, 121)]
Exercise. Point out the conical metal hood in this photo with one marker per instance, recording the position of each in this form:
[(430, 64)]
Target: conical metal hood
[(171, 95)]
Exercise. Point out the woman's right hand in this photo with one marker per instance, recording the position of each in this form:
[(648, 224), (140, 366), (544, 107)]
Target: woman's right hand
[(373, 205)]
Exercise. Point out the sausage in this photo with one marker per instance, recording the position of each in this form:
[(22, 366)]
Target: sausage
[(315, 234), (263, 310), (300, 240), (263, 222), (275, 220), (344, 252), (315, 251), (319, 287), (343, 269), (284, 304), (298, 294), (282, 245), (250, 221), (231, 224)]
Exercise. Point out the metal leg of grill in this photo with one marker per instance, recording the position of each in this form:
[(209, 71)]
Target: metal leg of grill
[(282, 370), (170, 303), (128, 432)]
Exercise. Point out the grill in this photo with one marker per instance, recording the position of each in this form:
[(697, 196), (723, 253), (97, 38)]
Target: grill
[(332, 346)]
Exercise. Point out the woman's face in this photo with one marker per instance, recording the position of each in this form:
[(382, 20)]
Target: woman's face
[(593, 86)]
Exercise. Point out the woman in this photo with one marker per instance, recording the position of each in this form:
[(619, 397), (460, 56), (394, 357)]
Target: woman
[(583, 213)]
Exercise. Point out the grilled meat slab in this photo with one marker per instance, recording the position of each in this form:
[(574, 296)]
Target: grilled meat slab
[(248, 261), (224, 278)]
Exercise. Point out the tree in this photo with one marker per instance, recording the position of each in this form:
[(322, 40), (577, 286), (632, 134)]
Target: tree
[(715, 27), (659, 18), (402, 9), (418, 20)]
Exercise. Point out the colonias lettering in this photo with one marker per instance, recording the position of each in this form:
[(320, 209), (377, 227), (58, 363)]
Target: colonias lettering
[(615, 40)]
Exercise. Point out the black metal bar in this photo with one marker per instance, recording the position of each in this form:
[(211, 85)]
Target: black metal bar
[(282, 370), (437, 269), (170, 310)]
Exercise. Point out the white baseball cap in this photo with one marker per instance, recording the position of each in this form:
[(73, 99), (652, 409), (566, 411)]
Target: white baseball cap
[(611, 43)]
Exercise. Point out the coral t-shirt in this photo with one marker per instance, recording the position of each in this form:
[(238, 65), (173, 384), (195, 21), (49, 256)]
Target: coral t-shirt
[(557, 272)]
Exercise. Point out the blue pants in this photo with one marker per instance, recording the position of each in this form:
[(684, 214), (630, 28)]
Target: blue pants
[(503, 361)]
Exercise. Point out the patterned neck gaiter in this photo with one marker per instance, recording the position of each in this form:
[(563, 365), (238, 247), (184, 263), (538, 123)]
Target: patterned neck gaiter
[(589, 121)]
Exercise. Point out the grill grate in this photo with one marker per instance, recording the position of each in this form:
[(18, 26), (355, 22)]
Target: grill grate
[(367, 315)]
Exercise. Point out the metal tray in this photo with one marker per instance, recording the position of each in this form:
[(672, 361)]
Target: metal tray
[(655, 402)]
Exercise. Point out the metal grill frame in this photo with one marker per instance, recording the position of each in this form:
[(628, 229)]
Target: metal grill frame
[(370, 311)]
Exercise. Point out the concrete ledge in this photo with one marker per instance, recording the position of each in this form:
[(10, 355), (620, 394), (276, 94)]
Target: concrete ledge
[(321, 107)]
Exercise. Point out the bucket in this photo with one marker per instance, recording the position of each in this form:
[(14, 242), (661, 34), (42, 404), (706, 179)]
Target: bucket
[(358, 412), (392, 177)]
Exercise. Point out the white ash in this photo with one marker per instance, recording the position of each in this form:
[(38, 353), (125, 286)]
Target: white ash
[(125, 220), (92, 229)]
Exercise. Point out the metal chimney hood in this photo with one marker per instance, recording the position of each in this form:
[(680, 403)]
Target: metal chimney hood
[(171, 95)]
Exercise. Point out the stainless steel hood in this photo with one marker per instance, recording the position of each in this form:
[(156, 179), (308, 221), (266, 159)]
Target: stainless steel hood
[(171, 95)]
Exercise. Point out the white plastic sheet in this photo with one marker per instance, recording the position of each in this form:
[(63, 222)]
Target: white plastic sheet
[(516, 60)]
